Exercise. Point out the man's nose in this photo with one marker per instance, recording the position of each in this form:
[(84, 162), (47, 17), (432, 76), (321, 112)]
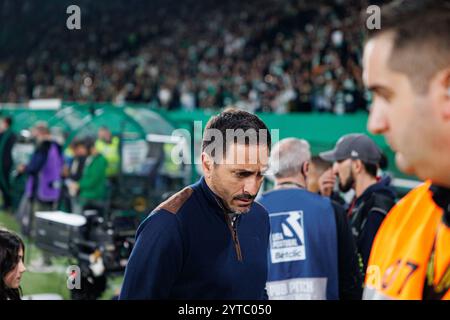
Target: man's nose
[(377, 122), (335, 168), (251, 186)]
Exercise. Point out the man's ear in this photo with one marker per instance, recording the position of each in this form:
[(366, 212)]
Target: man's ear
[(357, 166), (207, 164), (305, 168), (442, 83)]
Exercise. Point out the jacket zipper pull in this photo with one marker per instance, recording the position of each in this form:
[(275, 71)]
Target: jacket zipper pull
[(233, 229), (235, 238)]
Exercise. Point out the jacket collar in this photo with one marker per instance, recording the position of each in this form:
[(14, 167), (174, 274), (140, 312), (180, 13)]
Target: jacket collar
[(213, 200), (382, 186)]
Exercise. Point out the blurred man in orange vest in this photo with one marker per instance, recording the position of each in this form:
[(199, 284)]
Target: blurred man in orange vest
[(407, 68)]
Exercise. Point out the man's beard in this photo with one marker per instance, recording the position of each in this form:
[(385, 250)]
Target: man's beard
[(246, 197), (348, 184)]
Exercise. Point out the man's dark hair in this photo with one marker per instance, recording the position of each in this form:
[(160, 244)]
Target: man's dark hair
[(421, 31), (371, 169), (234, 119), (89, 142), (320, 164), (76, 143)]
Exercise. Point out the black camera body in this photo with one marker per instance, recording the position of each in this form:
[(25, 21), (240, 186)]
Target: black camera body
[(89, 239)]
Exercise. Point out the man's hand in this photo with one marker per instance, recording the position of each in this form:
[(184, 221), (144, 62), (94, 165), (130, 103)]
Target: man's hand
[(326, 183)]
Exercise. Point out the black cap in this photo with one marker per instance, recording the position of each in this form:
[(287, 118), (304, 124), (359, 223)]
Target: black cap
[(354, 146)]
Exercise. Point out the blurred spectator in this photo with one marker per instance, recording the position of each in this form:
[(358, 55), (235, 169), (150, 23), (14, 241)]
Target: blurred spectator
[(12, 252), (321, 180), (73, 170), (91, 188), (44, 169), (76, 165), (317, 167), (7, 140), (108, 146), (356, 160)]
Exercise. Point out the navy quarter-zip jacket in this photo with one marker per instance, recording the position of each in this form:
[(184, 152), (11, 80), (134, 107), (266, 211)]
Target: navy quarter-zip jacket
[(188, 248)]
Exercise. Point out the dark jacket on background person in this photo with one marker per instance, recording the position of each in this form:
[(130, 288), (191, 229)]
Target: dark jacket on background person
[(189, 248), (7, 140), (324, 257), (366, 214), (336, 197), (76, 168)]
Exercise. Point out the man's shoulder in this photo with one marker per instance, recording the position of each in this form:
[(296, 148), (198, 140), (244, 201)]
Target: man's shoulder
[(406, 219), (101, 159), (300, 194), (277, 193), (47, 145), (163, 217), (44, 146), (418, 198), (175, 203), (421, 191), (381, 203)]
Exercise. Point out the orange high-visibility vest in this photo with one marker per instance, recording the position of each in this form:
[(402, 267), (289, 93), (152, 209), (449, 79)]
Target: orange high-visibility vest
[(399, 263)]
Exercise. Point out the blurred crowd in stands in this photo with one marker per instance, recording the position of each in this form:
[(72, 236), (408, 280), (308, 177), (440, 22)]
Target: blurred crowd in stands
[(260, 55)]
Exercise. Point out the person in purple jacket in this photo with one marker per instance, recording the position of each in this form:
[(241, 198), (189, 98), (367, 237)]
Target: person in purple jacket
[(44, 170)]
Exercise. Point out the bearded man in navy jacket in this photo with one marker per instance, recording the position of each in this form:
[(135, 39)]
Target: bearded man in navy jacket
[(209, 241)]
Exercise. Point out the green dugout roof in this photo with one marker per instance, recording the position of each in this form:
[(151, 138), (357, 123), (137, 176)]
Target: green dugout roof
[(130, 123)]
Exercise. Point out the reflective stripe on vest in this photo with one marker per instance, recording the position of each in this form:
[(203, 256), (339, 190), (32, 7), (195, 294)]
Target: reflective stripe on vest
[(402, 248)]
